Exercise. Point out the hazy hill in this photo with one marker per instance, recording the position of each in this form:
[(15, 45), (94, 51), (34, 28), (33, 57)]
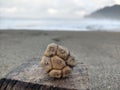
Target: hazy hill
[(112, 12)]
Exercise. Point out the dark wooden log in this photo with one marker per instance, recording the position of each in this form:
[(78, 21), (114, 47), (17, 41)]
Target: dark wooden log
[(30, 76), (10, 84), (20, 85), (4, 85), (1, 82)]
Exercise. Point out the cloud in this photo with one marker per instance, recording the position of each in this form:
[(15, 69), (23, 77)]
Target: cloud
[(8, 10), (11, 10), (52, 11), (51, 8), (80, 13), (117, 1)]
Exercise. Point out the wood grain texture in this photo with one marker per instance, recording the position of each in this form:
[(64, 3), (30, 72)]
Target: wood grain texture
[(20, 85)]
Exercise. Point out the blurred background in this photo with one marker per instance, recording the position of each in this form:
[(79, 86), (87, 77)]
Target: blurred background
[(68, 15)]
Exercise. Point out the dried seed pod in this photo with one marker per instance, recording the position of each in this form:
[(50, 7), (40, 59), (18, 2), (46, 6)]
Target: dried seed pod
[(62, 52), (71, 61), (66, 71), (46, 63), (55, 73), (57, 62), (51, 50)]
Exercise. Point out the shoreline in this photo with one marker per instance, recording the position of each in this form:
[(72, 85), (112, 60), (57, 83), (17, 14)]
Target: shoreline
[(59, 30)]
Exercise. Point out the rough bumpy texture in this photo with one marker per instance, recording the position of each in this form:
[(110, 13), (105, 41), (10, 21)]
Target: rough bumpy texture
[(58, 61)]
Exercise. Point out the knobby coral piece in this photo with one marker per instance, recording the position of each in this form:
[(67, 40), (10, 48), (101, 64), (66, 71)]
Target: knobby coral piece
[(57, 61)]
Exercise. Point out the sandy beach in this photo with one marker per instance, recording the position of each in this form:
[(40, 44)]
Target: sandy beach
[(100, 51)]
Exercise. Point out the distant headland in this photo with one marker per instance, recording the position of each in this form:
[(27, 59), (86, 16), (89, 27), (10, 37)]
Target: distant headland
[(111, 12)]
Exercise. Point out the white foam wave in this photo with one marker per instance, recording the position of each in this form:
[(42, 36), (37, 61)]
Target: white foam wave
[(53, 24)]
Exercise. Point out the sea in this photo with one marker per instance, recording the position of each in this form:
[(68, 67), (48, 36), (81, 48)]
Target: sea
[(60, 24)]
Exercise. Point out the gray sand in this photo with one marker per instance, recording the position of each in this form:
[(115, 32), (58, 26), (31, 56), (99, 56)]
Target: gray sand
[(100, 51)]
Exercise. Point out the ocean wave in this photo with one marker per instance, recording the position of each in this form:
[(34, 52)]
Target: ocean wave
[(68, 25)]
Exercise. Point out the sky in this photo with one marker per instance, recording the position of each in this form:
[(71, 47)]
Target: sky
[(51, 8)]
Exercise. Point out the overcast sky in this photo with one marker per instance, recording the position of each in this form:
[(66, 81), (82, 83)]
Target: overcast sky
[(51, 8)]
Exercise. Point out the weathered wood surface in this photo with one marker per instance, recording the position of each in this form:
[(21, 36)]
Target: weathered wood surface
[(8, 84), (32, 73)]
